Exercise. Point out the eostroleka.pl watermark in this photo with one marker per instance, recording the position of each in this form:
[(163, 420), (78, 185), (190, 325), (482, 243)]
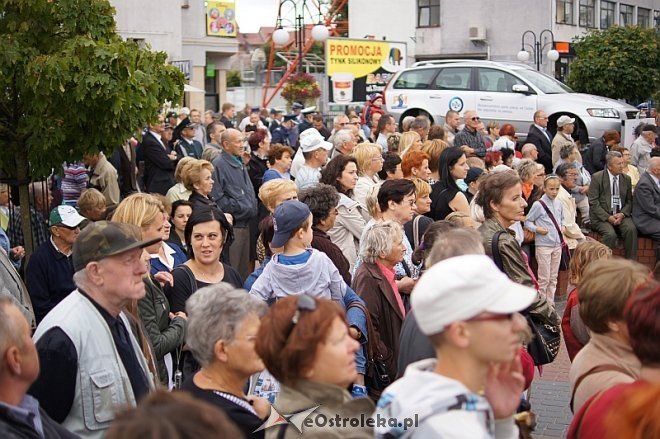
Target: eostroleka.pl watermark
[(308, 419)]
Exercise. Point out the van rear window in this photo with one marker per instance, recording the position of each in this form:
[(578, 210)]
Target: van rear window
[(415, 79)]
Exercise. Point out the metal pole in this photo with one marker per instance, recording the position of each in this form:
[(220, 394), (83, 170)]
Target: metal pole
[(537, 53), (300, 29)]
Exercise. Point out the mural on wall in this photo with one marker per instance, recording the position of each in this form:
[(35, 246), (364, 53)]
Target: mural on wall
[(221, 18)]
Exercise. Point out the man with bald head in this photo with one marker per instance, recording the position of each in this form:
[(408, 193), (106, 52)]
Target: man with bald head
[(646, 204), (234, 194), (20, 414), (529, 151), (470, 135)]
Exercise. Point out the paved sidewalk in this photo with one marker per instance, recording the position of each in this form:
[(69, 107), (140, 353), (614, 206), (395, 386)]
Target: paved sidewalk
[(551, 395)]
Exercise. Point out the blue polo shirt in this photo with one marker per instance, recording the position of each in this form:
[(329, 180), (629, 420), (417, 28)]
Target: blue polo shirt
[(49, 278)]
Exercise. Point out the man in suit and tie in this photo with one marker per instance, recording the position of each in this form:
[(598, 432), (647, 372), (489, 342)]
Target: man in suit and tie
[(540, 136), (159, 159), (646, 204), (610, 205)]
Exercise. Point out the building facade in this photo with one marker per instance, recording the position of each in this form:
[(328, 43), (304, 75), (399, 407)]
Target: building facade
[(493, 29), (179, 28)]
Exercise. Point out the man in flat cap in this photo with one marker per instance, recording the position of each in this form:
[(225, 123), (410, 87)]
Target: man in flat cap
[(91, 363)]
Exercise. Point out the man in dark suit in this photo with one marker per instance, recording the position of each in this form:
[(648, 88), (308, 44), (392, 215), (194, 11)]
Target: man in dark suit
[(159, 160), (540, 136), (610, 205), (646, 204)]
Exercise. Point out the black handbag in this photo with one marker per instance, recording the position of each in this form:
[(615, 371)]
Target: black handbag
[(379, 359), (544, 346), (565, 252)]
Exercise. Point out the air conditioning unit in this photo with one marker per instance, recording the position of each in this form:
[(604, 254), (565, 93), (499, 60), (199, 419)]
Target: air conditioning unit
[(477, 33)]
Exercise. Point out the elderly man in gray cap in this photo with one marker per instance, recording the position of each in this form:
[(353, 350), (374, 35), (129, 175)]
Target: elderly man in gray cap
[(92, 364)]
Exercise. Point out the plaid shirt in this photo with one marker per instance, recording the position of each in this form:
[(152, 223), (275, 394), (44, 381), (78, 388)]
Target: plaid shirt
[(39, 228), (473, 139)]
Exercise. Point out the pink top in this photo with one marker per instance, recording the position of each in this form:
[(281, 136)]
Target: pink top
[(390, 276)]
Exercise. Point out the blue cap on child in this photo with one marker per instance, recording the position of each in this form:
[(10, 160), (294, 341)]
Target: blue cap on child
[(288, 217)]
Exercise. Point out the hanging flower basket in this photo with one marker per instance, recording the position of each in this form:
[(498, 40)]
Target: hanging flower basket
[(301, 87)]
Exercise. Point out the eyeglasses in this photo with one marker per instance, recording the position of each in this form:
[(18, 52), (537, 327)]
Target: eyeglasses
[(305, 303), (343, 124), (475, 119), (492, 318), (378, 159)]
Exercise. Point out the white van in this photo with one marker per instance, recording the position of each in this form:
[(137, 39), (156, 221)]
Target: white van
[(502, 92)]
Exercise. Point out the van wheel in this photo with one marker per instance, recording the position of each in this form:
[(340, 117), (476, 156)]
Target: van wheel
[(415, 113), (579, 134)]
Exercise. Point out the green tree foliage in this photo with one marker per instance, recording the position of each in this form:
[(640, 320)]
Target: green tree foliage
[(69, 85), (620, 63), (233, 78)]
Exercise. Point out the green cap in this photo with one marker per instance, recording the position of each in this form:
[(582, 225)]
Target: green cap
[(103, 239)]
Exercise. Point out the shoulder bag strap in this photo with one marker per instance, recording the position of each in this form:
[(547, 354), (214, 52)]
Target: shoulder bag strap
[(416, 231), (554, 221), (370, 327), (191, 277), (495, 250), (594, 370)]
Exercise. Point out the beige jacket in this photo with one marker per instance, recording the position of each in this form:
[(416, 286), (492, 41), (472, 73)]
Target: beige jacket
[(572, 233), (601, 350), (348, 228), (557, 143), (334, 402)]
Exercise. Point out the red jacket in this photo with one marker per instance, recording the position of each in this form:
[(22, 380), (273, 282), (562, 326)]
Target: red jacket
[(573, 344)]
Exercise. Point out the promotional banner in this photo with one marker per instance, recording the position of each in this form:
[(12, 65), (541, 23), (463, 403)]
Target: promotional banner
[(358, 68), (221, 18)]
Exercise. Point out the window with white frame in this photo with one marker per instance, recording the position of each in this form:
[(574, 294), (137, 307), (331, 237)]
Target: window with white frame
[(607, 14), (643, 17), (565, 12), (428, 13), (626, 15)]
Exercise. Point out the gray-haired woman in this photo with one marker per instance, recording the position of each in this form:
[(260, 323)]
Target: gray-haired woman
[(375, 281), (222, 330)]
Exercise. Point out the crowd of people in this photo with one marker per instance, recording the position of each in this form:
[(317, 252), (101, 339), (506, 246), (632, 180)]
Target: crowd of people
[(260, 265)]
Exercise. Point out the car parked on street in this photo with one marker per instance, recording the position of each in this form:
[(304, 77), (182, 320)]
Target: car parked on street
[(503, 92)]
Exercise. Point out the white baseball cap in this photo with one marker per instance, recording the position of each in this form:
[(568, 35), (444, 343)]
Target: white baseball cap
[(65, 215), (312, 143), (309, 132), (463, 287)]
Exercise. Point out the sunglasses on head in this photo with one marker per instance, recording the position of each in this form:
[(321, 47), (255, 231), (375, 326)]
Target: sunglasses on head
[(305, 303)]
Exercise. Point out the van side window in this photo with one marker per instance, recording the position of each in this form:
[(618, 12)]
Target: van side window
[(496, 80), (454, 78), (415, 79)]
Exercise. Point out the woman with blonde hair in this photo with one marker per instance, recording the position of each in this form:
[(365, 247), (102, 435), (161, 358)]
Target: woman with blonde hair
[(179, 191), (575, 332), (164, 329), (434, 149), (272, 194), (416, 227), (409, 141), (148, 213), (198, 179), (369, 163)]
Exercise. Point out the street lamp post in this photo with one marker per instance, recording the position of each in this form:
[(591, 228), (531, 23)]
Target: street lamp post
[(537, 47), (281, 36)]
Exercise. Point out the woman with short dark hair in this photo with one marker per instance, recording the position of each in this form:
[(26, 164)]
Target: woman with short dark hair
[(500, 197), (322, 201)]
